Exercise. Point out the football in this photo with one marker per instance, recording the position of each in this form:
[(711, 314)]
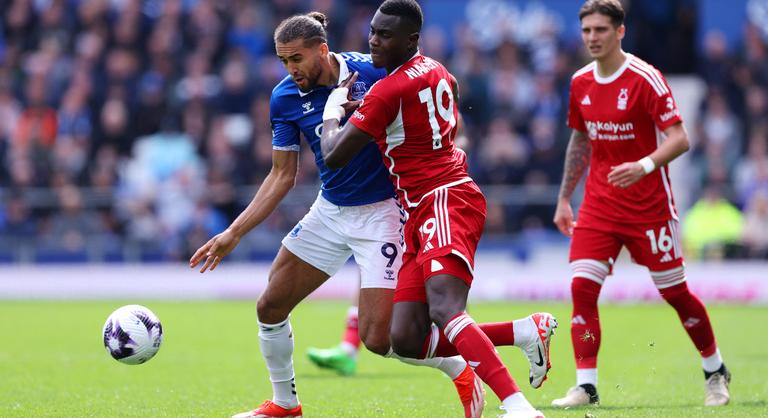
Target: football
[(132, 334)]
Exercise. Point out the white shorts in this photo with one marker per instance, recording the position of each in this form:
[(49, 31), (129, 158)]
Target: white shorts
[(328, 235)]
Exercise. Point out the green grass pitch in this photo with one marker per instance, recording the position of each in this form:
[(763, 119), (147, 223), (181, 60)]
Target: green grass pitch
[(52, 363)]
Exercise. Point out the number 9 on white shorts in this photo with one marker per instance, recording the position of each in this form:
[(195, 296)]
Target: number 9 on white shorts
[(328, 235)]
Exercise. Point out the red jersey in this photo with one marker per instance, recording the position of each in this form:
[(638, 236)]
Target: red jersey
[(624, 116), (412, 116)]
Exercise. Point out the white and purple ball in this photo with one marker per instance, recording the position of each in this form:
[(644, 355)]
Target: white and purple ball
[(132, 334)]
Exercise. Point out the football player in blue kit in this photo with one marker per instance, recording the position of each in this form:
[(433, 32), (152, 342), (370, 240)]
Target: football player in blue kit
[(355, 213)]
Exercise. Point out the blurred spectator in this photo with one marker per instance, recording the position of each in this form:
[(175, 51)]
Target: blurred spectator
[(755, 233), (152, 107), (247, 33), (756, 115), (115, 130), (751, 175), (17, 227), (713, 226), (236, 93), (160, 187), (720, 128), (73, 230), (504, 153), (199, 83), (74, 134), (34, 137), (512, 84), (10, 111), (717, 63), (37, 126)]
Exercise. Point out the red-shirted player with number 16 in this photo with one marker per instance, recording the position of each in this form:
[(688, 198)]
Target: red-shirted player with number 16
[(412, 115), (626, 129)]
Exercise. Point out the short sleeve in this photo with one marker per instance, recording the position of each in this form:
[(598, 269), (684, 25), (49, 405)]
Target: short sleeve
[(374, 114), (575, 119), (285, 134), (662, 106)]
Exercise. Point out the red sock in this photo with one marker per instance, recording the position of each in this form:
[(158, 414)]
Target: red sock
[(478, 351), (694, 317), (500, 334), (585, 322), (351, 335)]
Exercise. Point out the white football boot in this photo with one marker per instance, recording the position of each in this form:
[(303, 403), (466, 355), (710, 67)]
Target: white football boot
[(578, 396), (717, 392), (537, 350)]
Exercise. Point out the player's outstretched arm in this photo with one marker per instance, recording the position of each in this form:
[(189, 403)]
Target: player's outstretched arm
[(629, 173), (576, 163), (276, 185), (337, 144)]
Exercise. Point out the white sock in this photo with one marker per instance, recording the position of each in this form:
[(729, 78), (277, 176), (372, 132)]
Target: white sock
[(584, 376), (525, 330), (348, 348), (517, 402), (713, 362), (451, 366), (277, 349)]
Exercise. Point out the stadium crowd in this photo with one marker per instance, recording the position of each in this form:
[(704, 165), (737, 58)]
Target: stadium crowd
[(135, 130)]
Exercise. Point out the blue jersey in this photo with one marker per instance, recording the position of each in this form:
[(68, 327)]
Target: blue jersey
[(364, 179)]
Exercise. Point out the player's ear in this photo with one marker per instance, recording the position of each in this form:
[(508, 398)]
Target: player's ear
[(323, 47), (621, 31)]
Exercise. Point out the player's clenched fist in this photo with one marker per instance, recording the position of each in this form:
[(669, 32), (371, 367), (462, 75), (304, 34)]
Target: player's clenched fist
[(215, 250)]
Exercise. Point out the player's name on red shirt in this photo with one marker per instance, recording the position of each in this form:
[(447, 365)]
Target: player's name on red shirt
[(419, 69)]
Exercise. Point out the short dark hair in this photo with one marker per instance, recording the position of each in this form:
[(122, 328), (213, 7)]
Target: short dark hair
[(309, 27), (406, 9), (610, 8)]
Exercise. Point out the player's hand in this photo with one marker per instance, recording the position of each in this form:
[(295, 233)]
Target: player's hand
[(350, 105), (339, 102), (215, 250), (626, 174), (564, 217)]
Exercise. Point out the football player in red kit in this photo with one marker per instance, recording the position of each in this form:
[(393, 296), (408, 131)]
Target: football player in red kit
[(412, 116), (626, 129)]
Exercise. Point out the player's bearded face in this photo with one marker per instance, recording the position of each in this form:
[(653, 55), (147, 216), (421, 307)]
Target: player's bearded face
[(303, 63), (599, 35), (315, 72)]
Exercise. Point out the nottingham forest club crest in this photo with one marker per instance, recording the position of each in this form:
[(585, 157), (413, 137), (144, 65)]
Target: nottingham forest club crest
[(621, 102)]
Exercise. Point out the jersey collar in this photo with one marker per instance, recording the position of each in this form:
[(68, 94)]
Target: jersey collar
[(343, 69), (611, 78), (409, 60), (343, 73)]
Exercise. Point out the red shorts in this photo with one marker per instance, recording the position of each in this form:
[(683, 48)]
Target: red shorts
[(655, 245), (441, 237)]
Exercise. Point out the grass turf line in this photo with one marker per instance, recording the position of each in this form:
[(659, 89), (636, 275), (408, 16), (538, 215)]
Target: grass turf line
[(52, 363)]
